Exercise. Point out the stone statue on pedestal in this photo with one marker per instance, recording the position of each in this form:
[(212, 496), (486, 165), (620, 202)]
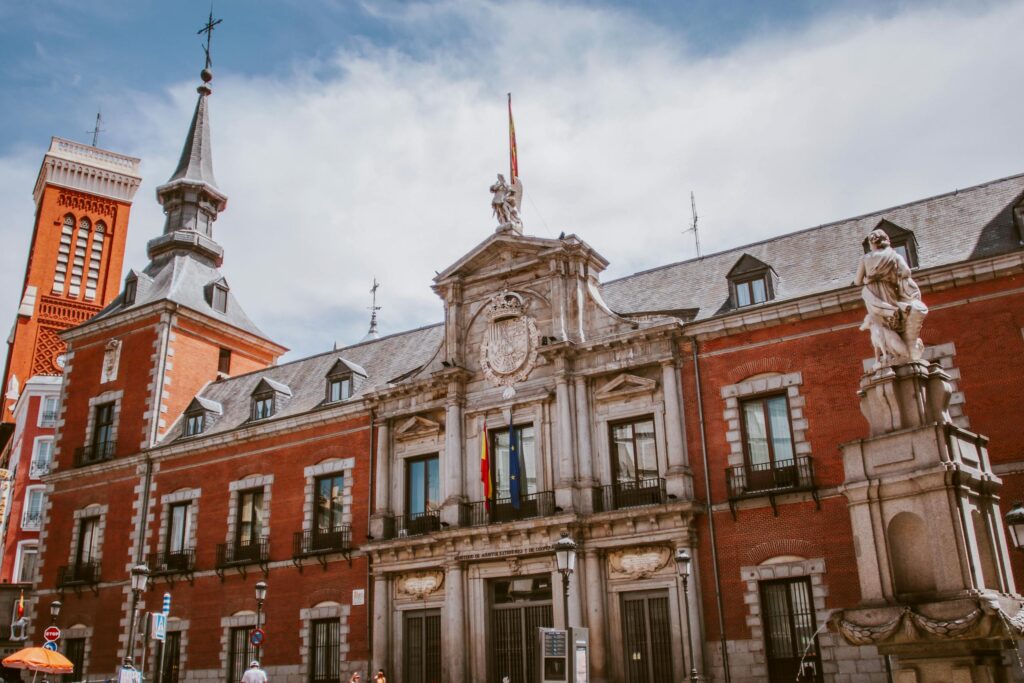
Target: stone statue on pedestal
[(505, 203), (895, 312)]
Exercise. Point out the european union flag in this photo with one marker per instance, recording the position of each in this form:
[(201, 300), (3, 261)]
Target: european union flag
[(514, 472)]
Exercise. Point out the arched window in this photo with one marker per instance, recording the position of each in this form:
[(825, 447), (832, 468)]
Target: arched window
[(78, 262), (96, 254), (63, 254)]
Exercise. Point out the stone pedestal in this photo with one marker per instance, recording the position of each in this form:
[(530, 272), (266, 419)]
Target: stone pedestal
[(935, 579)]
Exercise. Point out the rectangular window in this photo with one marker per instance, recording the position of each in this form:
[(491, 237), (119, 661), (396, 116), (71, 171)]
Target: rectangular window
[(27, 563), (171, 657), (42, 458), (250, 517), (329, 502), (325, 659), (224, 361), (767, 438), (240, 652), (130, 287), (262, 407), (422, 485), (48, 411), (634, 455), (74, 650), (340, 389), (32, 517), (179, 519), (194, 424), (789, 625), (751, 292), (88, 550), (502, 462), (103, 429), (220, 299)]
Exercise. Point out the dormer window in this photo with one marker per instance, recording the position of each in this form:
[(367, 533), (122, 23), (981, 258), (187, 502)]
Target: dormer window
[(262, 406), (217, 295), (268, 398), (194, 424), (751, 282), (200, 414), (901, 240), (341, 380), (131, 288)]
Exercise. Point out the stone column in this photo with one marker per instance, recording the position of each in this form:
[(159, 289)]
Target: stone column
[(584, 455), (595, 614), (675, 477), (382, 482), (453, 492), (563, 442), (381, 620), (453, 636)]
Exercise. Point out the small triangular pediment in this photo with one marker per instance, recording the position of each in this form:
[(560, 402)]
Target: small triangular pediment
[(625, 384), (747, 264), (266, 386), (344, 367), (416, 426), (204, 405), (496, 253)]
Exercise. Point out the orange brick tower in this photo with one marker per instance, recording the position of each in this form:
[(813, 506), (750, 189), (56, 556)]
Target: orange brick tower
[(83, 198)]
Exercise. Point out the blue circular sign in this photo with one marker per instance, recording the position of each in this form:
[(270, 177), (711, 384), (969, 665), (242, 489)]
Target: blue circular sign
[(257, 636), (50, 645)]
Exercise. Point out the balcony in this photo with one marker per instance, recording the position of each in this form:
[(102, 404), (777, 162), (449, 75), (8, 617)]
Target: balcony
[(97, 452), (78, 574), (416, 524), (318, 543), (533, 505), (242, 553), (629, 494), (39, 467), (770, 479), (32, 521), (173, 563), (48, 418)]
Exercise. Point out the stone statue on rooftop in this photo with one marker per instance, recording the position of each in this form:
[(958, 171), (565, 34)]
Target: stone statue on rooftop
[(895, 312), (505, 203)]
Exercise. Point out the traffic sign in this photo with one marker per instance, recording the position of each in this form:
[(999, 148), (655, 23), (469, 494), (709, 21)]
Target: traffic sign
[(50, 645), (51, 633), (167, 604), (257, 636), (159, 627)]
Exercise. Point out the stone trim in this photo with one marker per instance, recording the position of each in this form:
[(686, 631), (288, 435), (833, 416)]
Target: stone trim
[(254, 481), (327, 610), (332, 466), (733, 394), (174, 625), (91, 510), (190, 496), (79, 631), (944, 355), (106, 397), (226, 624)]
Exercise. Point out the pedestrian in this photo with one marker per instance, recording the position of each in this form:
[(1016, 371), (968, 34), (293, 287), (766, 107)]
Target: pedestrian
[(254, 674), (356, 678), (379, 677)]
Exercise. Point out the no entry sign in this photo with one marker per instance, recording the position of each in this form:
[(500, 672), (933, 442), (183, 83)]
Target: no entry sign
[(51, 633)]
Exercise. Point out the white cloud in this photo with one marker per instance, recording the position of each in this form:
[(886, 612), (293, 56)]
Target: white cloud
[(376, 163)]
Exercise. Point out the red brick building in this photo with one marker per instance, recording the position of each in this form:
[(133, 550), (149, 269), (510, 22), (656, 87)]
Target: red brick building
[(697, 406)]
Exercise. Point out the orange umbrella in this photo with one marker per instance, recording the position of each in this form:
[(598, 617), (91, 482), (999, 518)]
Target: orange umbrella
[(39, 659)]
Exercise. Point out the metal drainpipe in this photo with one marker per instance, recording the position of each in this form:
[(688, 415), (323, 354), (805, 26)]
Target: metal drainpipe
[(711, 512)]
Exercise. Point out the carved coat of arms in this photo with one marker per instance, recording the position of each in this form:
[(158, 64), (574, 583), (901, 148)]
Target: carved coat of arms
[(509, 350)]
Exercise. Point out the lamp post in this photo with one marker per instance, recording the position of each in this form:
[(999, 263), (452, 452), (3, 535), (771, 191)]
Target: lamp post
[(55, 611), (140, 576), (683, 566), (1015, 524), (565, 559), (261, 595)]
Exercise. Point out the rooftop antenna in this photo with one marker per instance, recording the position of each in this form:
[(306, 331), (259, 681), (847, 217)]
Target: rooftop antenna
[(372, 334), (97, 130), (693, 226)]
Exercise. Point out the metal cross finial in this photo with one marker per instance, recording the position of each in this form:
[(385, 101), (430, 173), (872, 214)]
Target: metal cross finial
[(97, 130), (208, 30), (374, 307)]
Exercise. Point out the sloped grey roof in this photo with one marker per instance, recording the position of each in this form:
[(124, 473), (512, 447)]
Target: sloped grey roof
[(208, 405), (384, 359), (959, 226), (182, 279)]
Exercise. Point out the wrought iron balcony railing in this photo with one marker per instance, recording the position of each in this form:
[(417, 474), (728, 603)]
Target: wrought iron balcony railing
[(415, 524), (38, 468), (243, 552), (48, 418), (317, 541), (629, 494), (32, 521), (172, 562), (94, 453), (78, 573), (770, 479), (541, 504)]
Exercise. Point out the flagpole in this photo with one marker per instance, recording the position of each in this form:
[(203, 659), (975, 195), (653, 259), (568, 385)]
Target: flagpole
[(511, 143)]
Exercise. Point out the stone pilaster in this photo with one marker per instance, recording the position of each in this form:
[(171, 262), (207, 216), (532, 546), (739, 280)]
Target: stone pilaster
[(595, 614), (564, 425), (382, 483), (381, 620), (676, 476), (454, 467), (452, 637)]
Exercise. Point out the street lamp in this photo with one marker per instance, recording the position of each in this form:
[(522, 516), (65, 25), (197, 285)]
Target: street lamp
[(261, 595), (140, 576), (565, 560), (55, 611), (1015, 523), (683, 566)]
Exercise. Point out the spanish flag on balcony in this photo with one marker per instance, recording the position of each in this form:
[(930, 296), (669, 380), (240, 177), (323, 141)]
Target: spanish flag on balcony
[(485, 468)]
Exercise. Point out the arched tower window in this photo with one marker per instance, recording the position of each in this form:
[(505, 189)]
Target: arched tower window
[(78, 262), (96, 254), (63, 254)]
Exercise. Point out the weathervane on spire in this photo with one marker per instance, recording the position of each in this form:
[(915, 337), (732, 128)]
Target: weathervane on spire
[(372, 334), (208, 30)]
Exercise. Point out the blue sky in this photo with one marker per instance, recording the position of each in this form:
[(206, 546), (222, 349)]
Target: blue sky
[(357, 139)]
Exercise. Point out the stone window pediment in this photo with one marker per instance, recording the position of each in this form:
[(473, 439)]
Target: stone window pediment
[(343, 379), (417, 426), (751, 282), (903, 241), (625, 385)]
